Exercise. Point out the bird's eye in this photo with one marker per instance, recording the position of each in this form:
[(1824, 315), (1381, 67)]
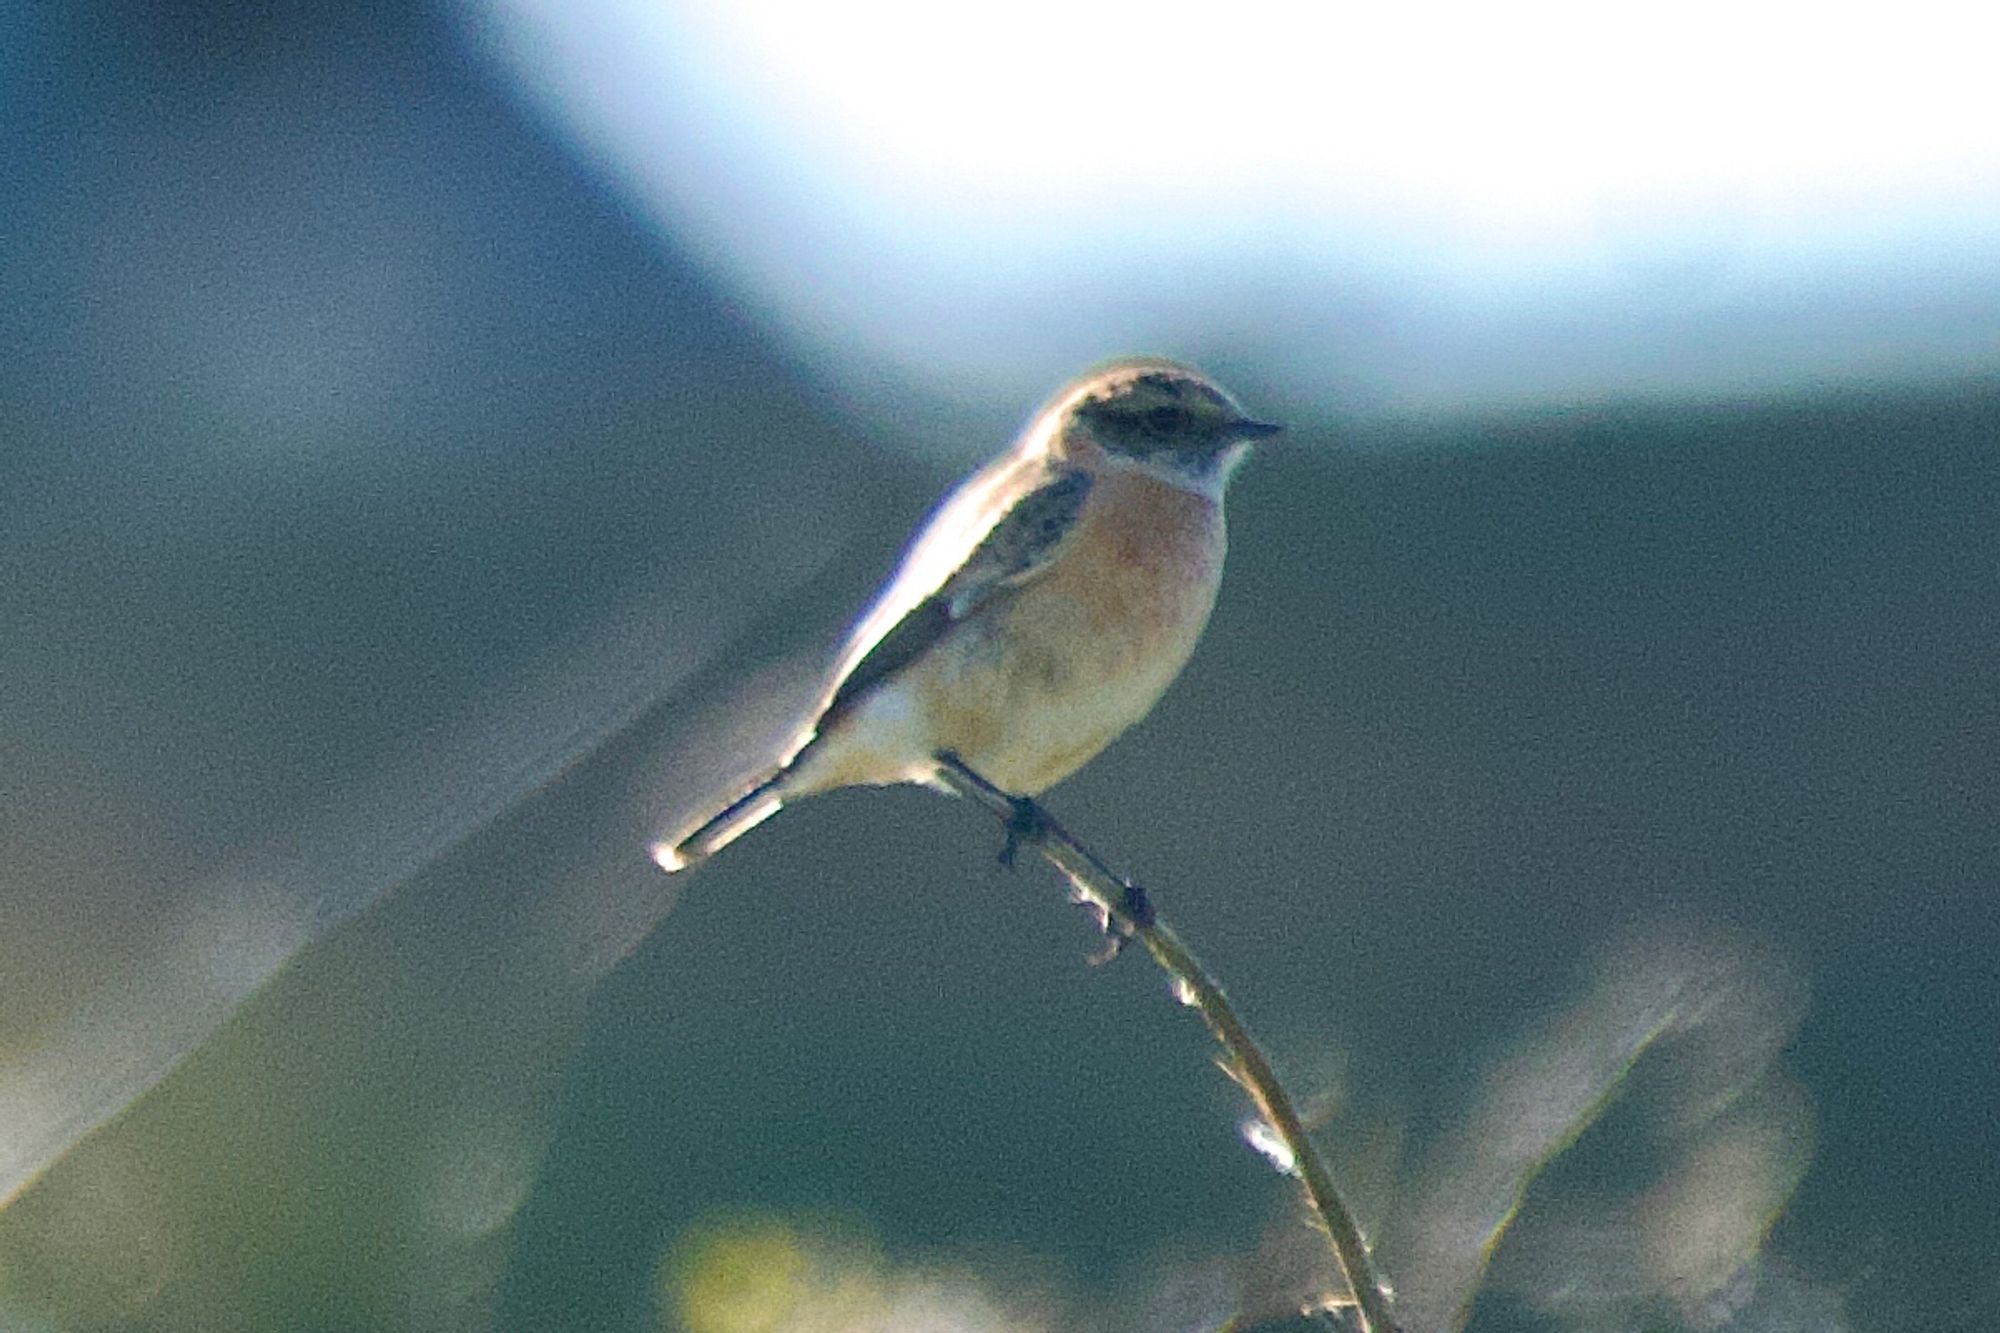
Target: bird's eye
[(1164, 420)]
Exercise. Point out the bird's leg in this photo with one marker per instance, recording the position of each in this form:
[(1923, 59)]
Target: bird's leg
[(1121, 918), (1027, 823)]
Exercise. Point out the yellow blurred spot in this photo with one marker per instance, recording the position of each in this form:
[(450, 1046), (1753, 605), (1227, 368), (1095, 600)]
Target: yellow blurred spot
[(807, 1275), (744, 1277)]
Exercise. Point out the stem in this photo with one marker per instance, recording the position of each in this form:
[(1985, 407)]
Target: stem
[(1128, 914)]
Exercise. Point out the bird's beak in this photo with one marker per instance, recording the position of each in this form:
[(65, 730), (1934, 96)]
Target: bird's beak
[(1245, 429)]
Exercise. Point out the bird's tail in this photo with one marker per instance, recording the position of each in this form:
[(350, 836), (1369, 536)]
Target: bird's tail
[(734, 820)]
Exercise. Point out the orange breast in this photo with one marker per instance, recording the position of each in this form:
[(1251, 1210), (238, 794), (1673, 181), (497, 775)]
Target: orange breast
[(1044, 677)]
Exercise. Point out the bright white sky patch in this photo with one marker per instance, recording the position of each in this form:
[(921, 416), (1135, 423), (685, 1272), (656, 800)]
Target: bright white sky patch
[(1530, 111), (968, 192)]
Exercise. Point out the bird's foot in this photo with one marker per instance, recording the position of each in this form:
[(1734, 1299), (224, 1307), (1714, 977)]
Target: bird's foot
[(1138, 906), (1026, 824)]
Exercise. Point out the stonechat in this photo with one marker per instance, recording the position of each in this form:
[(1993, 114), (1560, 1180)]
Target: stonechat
[(1042, 609)]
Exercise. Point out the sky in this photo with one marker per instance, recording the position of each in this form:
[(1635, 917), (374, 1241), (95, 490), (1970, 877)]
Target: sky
[(1404, 209)]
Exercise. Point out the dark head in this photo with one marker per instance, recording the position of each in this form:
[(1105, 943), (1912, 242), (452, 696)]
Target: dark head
[(1170, 420)]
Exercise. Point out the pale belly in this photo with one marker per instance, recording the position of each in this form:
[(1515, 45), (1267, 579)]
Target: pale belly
[(1035, 683)]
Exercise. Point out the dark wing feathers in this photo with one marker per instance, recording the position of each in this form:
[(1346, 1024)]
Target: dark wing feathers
[(1020, 543), (1013, 551)]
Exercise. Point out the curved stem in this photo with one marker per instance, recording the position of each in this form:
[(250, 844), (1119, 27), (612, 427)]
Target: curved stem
[(1129, 915)]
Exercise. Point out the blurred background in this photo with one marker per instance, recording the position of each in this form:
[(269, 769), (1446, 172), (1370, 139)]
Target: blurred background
[(440, 442)]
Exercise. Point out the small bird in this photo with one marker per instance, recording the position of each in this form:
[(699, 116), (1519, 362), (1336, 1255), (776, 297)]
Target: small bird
[(1042, 608)]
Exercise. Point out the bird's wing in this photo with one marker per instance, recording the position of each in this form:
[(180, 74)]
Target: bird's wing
[(977, 543)]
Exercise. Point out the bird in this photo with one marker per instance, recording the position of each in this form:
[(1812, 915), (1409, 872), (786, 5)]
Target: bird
[(1041, 610)]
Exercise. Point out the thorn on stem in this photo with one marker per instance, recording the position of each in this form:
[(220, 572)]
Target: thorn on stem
[(1135, 913), (1115, 941), (1118, 929)]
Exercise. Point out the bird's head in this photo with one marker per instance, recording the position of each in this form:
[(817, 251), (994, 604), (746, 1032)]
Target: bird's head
[(1164, 417)]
